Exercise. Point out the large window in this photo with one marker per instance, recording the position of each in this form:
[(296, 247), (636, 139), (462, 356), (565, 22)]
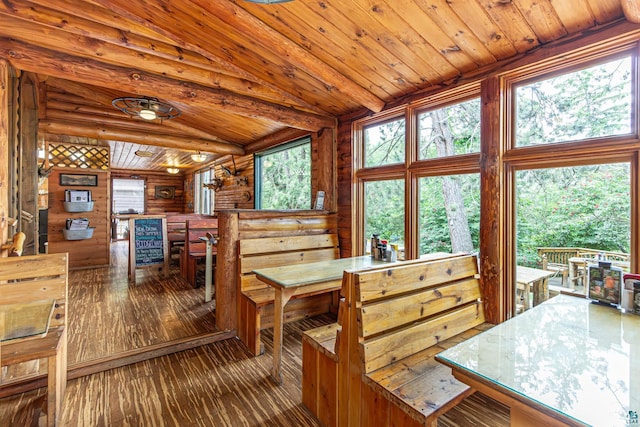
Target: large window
[(589, 103), (445, 215), (579, 206), (384, 143), (451, 130), (283, 177), (384, 212), (560, 172), (449, 213)]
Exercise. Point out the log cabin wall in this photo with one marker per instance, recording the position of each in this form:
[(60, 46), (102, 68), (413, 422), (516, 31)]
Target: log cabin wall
[(234, 225), (237, 192), (92, 252), (5, 112), (153, 204)]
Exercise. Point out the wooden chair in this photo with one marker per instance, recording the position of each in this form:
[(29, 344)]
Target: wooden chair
[(27, 283)]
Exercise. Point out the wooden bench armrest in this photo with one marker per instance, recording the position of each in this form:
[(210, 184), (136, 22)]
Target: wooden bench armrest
[(34, 348)]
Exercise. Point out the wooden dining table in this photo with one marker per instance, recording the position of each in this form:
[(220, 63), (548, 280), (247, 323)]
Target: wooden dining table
[(290, 280), (567, 361), (537, 280)]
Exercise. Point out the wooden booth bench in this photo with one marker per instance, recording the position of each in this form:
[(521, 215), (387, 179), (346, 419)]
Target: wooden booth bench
[(256, 305), (177, 228), (192, 255), (376, 365)]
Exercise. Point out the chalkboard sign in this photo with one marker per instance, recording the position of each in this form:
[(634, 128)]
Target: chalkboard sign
[(147, 243)]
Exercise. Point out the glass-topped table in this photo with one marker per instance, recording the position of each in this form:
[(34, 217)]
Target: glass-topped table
[(567, 361)]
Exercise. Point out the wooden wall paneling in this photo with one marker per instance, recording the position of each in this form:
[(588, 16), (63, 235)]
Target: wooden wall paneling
[(234, 194), (234, 225), (93, 252), (188, 198), (28, 163), (345, 184), (324, 169), (5, 83)]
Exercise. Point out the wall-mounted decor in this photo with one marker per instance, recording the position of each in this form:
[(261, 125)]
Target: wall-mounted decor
[(165, 192), (77, 180)]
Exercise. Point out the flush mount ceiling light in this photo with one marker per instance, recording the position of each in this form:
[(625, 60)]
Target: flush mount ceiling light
[(199, 157), (173, 171), (142, 153), (146, 108), (268, 1)]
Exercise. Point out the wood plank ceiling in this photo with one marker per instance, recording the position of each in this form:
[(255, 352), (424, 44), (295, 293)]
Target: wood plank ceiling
[(241, 72)]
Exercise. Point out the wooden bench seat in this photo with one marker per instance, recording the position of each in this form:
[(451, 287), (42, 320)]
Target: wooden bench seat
[(376, 365), (192, 255), (256, 309)]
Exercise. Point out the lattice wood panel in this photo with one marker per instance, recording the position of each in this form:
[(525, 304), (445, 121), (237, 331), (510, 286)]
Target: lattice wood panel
[(79, 156)]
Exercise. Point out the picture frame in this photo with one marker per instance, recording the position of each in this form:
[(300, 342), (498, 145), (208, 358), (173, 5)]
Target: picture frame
[(78, 180), (605, 283), (165, 192)]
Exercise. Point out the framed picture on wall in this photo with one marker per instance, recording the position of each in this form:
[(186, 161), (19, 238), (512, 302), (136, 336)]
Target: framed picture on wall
[(78, 180), (165, 192)]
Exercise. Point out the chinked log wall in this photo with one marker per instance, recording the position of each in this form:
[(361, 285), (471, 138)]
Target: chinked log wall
[(234, 225)]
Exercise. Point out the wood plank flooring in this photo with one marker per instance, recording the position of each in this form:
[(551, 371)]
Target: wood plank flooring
[(213, 385), (107, 315)]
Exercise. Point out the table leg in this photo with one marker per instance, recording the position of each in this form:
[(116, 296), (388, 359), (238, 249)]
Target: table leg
[(282, 297), (207, 273), (540, 291)]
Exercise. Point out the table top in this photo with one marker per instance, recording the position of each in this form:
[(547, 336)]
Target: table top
[(530, 275), (314, 272), (568, 356), (22, 320)]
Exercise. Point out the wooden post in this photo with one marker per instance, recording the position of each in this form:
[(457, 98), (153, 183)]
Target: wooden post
[(492, 221), (227, 300), (4, 148)]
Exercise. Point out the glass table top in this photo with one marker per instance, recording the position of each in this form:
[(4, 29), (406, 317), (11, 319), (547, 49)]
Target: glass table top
[(577, 358)]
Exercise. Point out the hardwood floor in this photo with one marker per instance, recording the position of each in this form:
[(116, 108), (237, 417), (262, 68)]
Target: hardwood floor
[(107, 315)]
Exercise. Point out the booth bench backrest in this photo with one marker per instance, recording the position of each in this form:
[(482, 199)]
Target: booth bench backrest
[(277, 251), (404, 310)]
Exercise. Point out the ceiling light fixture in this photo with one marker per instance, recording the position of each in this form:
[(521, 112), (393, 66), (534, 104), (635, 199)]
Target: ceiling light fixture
[(173, 171), (143, 153), (199, 157), (268, 1), (146, 108)]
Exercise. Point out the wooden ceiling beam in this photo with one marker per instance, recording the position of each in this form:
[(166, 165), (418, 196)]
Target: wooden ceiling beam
[(39, 60), (91, 130), (242, 21), (280, 137), (92, 20), (105, 96)]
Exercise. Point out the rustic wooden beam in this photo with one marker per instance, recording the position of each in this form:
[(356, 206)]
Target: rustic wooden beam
[(88, 130), (229, 13), (39, 60), (104, 97), (631, 9), (105, 26), (280, 137), (86, 47)]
